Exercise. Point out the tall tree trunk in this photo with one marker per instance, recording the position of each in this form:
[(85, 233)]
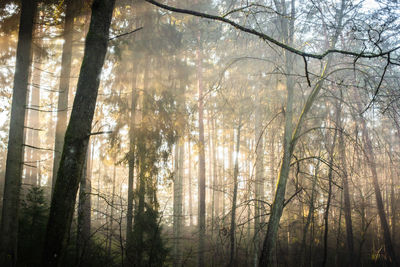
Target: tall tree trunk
[(346, 194), (33, 112), (369, 153), (131, 167), (328, 202), (178, 182), (259, 183), (202, 163), (139, 224), (309, 216), (234, 199), (393, 207), (209, 188), (177, 212), (110, 230), (63, 91), (84, 210), (15, 149), (77, 134), (216, 185), (190, 184)]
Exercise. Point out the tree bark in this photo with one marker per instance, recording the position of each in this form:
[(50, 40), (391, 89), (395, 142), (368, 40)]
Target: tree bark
[(309, 216), (131, 168), (110, 227), (77, 134), (346, 196), (84, 210), (63, 91), (328, 203), (202, 163), (190, 184), (179, 182), (234, 199), (15, 149), (259, 183), (216, 185)]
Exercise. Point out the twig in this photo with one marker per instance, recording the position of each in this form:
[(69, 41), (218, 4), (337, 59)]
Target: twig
[(378, 87), (123, 34), (269, 38), (306, 70)]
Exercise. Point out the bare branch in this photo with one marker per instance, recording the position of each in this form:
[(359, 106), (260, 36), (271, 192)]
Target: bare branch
[(268, 38), (123, 34)]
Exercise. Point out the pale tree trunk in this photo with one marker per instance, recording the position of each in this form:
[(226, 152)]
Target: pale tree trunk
[(346, 193), (190, 183), (216, 185), (139, 223), (131, 167), (393, 207), (178, 190), (234, 199), (213, 167), (309, 216), (110, 230), (63, 91), (179, 183), (84, 210), (224, 180), (77, 134), (210, 189), (339, 228), (249, 195), (272, 163), (259, 182), (15, 149), (328, 203), (32, 134), (202, 163), (229, 184)]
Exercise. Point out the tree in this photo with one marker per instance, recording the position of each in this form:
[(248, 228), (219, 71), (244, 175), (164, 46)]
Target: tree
[(234, 200), (62, 105), (369, 154), (15, 152), (78, 133), (202, 160)]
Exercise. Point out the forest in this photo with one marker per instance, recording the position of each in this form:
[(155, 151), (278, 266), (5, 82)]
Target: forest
[(212, 133)]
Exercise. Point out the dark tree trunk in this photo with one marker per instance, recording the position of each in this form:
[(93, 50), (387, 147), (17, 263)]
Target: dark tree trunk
[(15, 149), (328, 203), (369, 153), (84, 211), (309, 216), (111, 218), (234, 199), (346, 197), (62, 106), (266, 254), (131, 163), (259, 182), (77, 134)]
